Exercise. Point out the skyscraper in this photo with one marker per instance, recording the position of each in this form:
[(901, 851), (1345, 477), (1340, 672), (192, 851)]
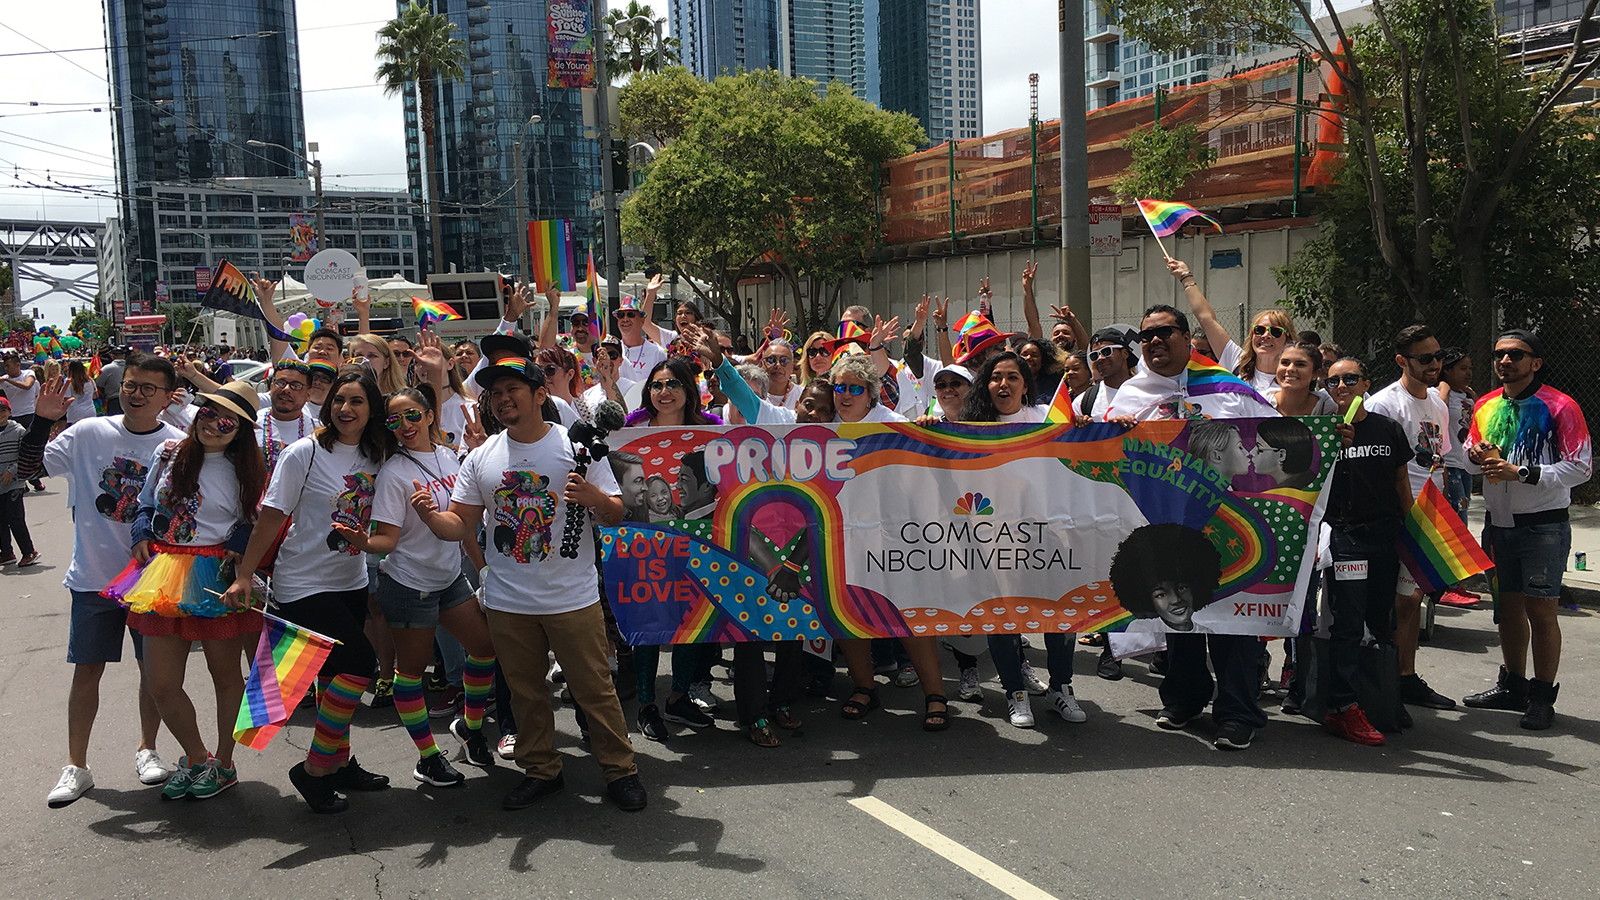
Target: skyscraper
[(930, 63), (192, 83), (720, 37), (479, 122), (825, 40)]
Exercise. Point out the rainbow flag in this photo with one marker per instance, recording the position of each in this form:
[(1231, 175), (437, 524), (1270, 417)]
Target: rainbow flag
[(592, 299), (1436, 545), (287, 660), (1206, 377), (1061, 411), (1166, 217), (432, 311), (550, 249)]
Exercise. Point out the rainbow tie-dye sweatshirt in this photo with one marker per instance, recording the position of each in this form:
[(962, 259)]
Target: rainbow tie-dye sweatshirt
[(1544, 431)]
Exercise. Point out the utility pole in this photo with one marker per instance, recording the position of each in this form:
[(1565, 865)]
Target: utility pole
[(608, 190), (316, 179), (1074, 167)]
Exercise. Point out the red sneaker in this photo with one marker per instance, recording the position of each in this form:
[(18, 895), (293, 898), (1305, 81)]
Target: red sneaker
[(1459, 598), (1352, 725)]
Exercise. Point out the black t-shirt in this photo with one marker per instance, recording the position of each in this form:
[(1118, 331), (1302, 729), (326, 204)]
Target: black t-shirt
[(1363, 502)]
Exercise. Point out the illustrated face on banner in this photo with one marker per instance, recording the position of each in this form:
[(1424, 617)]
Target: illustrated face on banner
[(1218, 444)]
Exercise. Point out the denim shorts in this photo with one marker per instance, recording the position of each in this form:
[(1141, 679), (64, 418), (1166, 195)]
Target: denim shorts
[(95, 633), (1530, 559), (405, 607)]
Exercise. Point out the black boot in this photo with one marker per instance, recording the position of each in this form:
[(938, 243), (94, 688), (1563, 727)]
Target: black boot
[(1541, 705), (1510, 692)]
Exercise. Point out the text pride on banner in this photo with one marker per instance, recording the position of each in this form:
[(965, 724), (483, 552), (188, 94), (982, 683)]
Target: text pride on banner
[(286, 662), (552, 254), (571, 44), (814, 532)]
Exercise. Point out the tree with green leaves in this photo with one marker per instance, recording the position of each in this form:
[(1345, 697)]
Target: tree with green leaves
[(631, 42), (1425, 82), (1162, 160), (765, 169), (92, 325), (656, 107), (414, 48), (181, 318)]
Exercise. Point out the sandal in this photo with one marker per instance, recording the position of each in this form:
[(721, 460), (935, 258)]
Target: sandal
[(1093, 640), (854, 709), (935, 719), (786, 718), (761, 734)]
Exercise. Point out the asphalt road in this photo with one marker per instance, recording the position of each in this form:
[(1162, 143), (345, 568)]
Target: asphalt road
[(1466, 805)]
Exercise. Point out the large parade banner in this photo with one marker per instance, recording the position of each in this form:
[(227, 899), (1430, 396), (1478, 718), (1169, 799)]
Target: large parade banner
[(890, 530), (571, 44)]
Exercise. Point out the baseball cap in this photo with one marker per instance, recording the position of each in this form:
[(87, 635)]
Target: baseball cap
[(494, 345), (514, 366)]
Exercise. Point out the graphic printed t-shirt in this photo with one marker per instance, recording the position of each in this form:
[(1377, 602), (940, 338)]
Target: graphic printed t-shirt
[(520, 488), (420, 560), (106, 465), (1362, 501), (276, 434), (318, 488), (204, 519), (636, 362), (1460, 405), (1426, 423)]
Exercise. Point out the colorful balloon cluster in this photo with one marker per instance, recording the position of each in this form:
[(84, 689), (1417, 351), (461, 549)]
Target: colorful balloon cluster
[(300, 326), (47, 344)]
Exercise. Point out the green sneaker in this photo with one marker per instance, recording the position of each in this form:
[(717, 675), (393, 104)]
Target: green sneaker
[(184, 775), (212, 781)]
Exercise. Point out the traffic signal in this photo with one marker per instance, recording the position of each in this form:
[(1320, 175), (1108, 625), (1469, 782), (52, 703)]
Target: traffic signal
[(619, 165)]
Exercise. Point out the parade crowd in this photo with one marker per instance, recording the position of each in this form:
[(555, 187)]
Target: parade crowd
[(407, 498)]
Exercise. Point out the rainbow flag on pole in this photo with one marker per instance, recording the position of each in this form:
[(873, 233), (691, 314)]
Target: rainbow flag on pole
[(432, 311), (287, 660), (1166, 217), (592, 300), (1436, 545), (550, 249)]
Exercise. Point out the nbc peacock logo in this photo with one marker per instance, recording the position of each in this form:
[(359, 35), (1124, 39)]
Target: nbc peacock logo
[(973, 504)]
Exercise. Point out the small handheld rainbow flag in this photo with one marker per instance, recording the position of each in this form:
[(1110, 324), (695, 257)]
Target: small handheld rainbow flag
[(552, 255), (432, 311), (1061, 411), (592, 299), (1436, 546), (1166, 217), (286, 662)]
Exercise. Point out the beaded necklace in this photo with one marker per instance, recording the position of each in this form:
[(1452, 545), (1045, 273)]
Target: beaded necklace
[(272, 450)]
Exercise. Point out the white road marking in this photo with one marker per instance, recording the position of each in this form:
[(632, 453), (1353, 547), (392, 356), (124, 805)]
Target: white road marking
[(1000, 878)]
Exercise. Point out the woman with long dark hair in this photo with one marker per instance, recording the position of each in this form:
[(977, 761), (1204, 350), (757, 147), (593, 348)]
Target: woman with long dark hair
[(1048, 364), (421, 584), (195, 514), (319, 580), (82, 390)]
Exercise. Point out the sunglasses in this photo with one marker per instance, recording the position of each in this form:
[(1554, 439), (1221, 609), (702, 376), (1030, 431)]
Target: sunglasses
[(1348, 379), (613, 353), (628, 314), (1158, 333), (1515, 355), (815, 352), (1425, 359), (725, 348), (550, 371), (778, 360), (671, 384), (854, 390), (1102, 353), (411, 415), (225, 424), (1276, 331), (949, 384)]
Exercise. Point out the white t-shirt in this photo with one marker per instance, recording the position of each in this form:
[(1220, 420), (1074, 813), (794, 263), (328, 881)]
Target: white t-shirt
[(768, 414), (569, 413), (1034, 413), (22, 398), (597, 395), (420, 560), (1150, 395), (788, 400), (205, 519), (915, 392), (520, 487), (453, 418), (274, 434), (636, 362), (1102, 402), (82, 403), (1261, 381), (105, 465), (314, 410), (1460, 406), (878, 413), (1426, 423), (317, 488)]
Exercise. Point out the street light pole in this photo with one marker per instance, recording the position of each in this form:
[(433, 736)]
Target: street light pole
[(524, 251), (608, 190), (1074, 167), (316, 180)]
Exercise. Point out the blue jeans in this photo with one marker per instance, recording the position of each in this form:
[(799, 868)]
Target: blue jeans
[(1006, 650), (1458, 489), (685, 659)]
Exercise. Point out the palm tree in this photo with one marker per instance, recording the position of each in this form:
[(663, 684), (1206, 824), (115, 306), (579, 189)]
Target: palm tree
[(631, 44), (414, 48)]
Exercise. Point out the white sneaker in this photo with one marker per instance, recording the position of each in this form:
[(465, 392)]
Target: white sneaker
[(74, 783), (1021, 709), (970, 689), (700, 694), (150, 767), (1066, 705), (1031, 681), (556, 675)]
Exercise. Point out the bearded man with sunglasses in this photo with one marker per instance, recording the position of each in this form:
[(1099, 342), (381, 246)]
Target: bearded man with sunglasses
[(1414, 403), (1531, 443)]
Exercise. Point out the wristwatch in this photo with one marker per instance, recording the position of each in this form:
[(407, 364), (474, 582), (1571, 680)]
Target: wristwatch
[(1522, 474)]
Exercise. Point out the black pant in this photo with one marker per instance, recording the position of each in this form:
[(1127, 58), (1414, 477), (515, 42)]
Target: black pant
[(341, 615), (750, 692), (14, 521), (1365, 603), (1188, 686)]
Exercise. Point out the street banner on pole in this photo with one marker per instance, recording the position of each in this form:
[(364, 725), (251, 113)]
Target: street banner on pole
[(571, 43), (303, 236)]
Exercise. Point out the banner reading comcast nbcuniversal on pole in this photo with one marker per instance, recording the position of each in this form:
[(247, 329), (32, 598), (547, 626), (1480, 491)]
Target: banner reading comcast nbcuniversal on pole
[(837, 531)]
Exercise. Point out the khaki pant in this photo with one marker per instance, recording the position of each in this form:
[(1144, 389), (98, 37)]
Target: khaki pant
[(521, 644)]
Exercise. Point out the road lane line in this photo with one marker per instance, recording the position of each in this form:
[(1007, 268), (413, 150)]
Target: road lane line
[(995, 875)]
